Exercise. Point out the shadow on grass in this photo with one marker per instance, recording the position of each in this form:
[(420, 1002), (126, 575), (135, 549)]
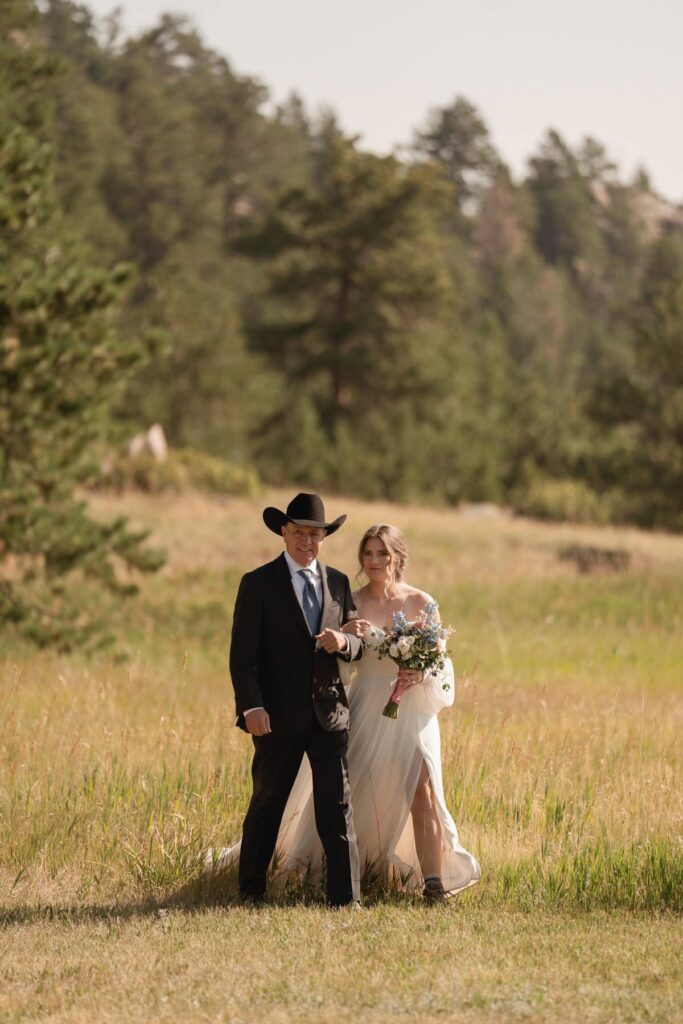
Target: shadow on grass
[(199, 894), (196, 895)]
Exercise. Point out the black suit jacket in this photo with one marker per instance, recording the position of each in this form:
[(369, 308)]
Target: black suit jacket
[(273, 660)]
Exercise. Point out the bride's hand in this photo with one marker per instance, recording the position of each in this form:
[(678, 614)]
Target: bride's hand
[(410, 676), (356, 627)]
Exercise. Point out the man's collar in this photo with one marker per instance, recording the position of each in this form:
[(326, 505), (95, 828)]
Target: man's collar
[(294, 567)]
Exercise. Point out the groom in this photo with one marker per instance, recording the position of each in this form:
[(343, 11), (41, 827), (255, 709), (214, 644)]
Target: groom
[(283, 661)]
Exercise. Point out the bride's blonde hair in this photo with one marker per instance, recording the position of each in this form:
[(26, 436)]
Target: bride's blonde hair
[(393, 540)]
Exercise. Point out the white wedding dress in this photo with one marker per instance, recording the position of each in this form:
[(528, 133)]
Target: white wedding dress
[(385, 758)]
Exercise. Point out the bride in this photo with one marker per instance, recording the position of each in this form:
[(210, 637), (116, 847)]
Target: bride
[(404, 830)]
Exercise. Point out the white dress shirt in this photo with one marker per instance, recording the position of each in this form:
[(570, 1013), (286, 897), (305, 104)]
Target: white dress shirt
[(299, 582)]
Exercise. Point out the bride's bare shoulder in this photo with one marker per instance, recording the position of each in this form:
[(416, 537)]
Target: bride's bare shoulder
[(416, 598)]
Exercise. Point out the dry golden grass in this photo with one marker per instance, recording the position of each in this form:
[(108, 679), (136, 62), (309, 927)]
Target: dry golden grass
[(308, 965), (562, 763)]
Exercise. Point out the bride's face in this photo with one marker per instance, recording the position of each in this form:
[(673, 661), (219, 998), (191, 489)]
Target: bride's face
[(378, 562)]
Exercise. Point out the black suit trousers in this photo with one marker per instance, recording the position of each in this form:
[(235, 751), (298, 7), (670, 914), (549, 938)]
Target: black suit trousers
[(277, 759)]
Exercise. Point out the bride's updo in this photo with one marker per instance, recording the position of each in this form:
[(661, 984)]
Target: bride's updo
[(394, 542)]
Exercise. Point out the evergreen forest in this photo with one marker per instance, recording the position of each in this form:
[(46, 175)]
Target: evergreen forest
[(422, 326)]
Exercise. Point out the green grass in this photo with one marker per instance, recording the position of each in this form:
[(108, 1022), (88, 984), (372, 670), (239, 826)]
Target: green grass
[(562, 766)]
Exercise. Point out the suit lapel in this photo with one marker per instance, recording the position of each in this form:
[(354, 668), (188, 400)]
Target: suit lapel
[(328, 620)]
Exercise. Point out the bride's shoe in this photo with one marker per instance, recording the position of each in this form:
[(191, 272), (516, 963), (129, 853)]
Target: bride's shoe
[(434, 891)]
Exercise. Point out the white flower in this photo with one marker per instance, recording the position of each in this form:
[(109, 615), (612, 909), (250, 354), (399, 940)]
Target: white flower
[(373, 636), (441, 646), (404, 646), (393, 651)]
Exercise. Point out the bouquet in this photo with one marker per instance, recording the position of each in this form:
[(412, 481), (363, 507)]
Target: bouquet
[(418, 644)]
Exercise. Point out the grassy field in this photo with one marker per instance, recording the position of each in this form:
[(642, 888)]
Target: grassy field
[(562, 765)]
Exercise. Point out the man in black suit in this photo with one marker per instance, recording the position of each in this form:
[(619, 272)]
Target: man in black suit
[(286, 638)]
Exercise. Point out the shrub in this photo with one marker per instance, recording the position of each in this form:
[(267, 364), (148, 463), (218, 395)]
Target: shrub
[(184, 469), (563, 500)]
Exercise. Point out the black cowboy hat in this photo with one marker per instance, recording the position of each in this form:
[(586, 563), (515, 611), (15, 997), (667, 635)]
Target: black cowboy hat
[(304, 510)]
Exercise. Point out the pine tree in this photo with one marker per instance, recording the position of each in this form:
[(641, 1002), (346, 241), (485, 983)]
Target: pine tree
[(61, 364), (566, 227), (457, 139), (638, 401), (350, 317)]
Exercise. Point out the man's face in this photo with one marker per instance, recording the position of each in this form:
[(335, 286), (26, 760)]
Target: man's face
[(302, 542)]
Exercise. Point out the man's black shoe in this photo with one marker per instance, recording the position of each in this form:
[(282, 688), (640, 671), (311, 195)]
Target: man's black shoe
[(250, 899)]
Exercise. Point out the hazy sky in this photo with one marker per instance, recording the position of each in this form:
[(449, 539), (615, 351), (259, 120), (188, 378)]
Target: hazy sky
[(608, 68)]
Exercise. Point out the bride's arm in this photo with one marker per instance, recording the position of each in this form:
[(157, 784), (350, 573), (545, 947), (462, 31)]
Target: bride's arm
[(437, 690), (356, 625)]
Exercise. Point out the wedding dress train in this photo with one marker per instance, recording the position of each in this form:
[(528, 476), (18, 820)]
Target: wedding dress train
[(385, 758)]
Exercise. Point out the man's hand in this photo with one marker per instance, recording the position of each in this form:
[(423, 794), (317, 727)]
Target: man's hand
[(332, 641), (257, 722)]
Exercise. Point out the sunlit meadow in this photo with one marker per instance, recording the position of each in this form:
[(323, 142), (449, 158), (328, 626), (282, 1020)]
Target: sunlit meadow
[(562, 766)]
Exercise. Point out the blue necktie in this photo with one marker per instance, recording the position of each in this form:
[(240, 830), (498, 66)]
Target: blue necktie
[(310, 603)]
